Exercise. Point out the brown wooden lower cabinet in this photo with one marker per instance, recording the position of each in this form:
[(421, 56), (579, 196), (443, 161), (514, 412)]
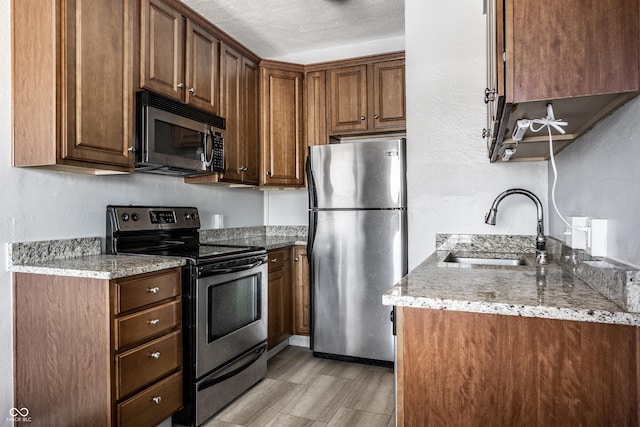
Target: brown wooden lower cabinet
[(469, 369), (301, 292), (280, 295), (94, 352)]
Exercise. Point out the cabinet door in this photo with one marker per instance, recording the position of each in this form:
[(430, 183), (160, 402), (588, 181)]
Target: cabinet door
[(348, 99), (574, 53), (97, 82), (315, 108), (387, 96), (301, 293), (201, 72), (230, 108), (282, 142), (250, 122), (162, 49)]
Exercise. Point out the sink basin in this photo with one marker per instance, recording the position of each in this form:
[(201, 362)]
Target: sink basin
[(513, 262)]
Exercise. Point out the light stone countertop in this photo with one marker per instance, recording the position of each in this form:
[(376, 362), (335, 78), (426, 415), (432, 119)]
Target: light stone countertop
[(531, 291), (81, 257), (267, 242), (100, 266)]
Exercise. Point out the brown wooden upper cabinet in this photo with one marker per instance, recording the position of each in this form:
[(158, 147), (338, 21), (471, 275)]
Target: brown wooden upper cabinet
[(281, 124), (72, 85), (585, 61), (178, 58), (367, 98), (239, 105), (315, 108)]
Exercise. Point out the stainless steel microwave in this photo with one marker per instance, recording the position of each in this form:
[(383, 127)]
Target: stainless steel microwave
[(175, 139)]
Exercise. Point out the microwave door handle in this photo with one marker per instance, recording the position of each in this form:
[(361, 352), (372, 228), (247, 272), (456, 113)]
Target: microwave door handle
[(207, 134)]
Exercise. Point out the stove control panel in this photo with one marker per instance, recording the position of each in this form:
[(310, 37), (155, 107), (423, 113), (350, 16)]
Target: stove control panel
[(143, 218)]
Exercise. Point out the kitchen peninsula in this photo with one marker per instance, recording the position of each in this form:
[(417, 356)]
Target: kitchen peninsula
[(525, 345)]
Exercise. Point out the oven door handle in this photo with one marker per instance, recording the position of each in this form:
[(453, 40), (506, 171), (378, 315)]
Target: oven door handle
[(225, 375), (207, 272)]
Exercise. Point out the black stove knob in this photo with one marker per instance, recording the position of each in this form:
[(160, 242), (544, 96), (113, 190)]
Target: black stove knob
[(135, 216), (125, 217)]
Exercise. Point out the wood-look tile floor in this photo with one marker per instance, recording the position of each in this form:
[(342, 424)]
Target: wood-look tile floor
[(301, 390)]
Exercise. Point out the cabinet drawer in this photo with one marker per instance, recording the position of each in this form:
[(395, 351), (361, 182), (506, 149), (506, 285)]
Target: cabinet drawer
[(276, 260), (145, 324), (153, 405), (146, 363), (147, 289)]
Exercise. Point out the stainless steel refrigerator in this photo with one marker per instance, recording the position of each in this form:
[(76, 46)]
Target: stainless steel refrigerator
[(357, 244)]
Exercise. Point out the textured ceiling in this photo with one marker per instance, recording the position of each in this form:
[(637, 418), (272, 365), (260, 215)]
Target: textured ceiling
[(277, 28)]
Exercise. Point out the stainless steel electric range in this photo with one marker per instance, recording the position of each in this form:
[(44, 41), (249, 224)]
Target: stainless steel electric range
[(224, 303)]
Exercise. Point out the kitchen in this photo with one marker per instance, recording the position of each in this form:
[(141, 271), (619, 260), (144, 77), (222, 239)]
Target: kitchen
[(451, 182)]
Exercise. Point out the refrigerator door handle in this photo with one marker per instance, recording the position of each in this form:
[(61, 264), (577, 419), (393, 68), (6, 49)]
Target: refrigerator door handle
[(313, 203), (311, 185), (311, 234)]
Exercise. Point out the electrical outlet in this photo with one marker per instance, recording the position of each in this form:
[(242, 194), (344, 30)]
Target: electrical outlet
[(575, 238), (597, 241)]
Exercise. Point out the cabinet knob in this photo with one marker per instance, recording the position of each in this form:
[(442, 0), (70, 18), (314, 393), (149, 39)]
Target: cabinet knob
[(157, 399), (489, 95), (268, 173), (375, 116), (154, 290), (243, 169), (155, 355), (180, 85), (274, 260), (193, 90), (296, 259), (362, 117), (131, 149), (154, 322)]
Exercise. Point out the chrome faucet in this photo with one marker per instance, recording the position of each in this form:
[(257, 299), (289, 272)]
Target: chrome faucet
[(541, 240)]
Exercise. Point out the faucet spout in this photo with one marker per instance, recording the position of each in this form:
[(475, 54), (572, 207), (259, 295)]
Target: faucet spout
[(541, 240)]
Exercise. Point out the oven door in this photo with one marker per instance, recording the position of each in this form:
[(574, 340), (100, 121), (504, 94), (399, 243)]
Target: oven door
[(231, 315)]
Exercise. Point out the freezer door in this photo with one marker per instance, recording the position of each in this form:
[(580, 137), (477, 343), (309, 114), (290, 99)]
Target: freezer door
[(359, 174), (357, 256)]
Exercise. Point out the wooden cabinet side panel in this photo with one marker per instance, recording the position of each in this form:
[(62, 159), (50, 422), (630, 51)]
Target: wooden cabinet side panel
[(162, 48), (301, 292), (62, 355), (575, 48), (97, 93), (250, 131), (388, 95), (348, 99), (34, 88), (478, 369), (201, 74), (230, 108), (315, 108)]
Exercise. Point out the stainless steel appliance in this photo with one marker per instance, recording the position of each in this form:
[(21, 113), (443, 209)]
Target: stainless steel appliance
[(175, 139), (224, 303), (357, 244)]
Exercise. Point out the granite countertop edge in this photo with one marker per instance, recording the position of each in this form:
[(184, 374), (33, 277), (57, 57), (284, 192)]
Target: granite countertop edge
[(545, 312), (99, 266)]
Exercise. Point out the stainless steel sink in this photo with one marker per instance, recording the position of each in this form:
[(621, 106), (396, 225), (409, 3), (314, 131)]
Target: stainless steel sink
[(513, 262)]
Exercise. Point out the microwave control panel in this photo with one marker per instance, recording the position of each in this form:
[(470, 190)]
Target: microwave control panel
[(217, 152)]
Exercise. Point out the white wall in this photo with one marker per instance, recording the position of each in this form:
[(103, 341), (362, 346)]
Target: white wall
[(599, 177), (451, 182), (42, 205), (289, 207)]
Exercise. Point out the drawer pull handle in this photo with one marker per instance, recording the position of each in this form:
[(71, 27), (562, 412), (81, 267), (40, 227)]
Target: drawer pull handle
[(154, 290), (154, 322), (155, 355), (157, 400)]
